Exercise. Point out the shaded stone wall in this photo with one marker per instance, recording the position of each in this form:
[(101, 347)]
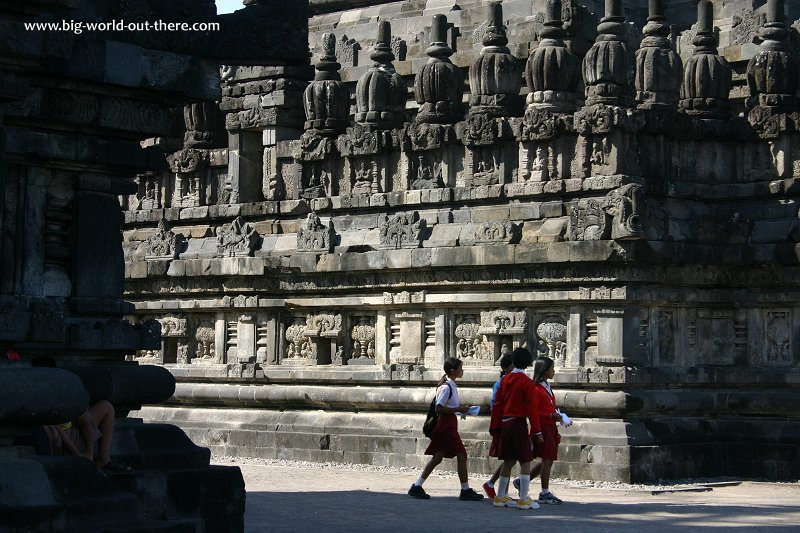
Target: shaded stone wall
[(76, 106), (633, 218)]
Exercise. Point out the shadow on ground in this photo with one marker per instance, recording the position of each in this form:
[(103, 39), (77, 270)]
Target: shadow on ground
[(377, 511)]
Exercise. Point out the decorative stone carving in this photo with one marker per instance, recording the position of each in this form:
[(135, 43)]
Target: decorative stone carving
[(482, 129), (347, 51), (426, 137), (323, 325), (186, 164), (666, 337), (439, 84), (205, 125), (238, 239), (326, 100), (471, 347), (381, 91), (607, 63), (494, 78), (746, 25), (172, 326), (314, 236), (399, 48), (617, 216), (363, 337), (707, 75), (659, 68), (552, 334), (772, 74), (404, 230), (149, 194), (361, 140), (778, 338), (503, 322), (427, 175), (204, 338), (552, 71), (543, 125), (300, 350), (163, 244), (494, 232), (404, 297)]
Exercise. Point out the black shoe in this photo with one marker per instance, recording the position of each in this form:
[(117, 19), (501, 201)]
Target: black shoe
[(469, 495), (418, 492)]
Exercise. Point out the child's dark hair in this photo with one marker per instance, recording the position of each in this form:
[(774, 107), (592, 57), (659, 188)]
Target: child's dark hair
[(542, 365), (450, 364), (505, 362), (522, 358)]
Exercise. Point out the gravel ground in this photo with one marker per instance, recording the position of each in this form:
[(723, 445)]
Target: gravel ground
[(292, 496)]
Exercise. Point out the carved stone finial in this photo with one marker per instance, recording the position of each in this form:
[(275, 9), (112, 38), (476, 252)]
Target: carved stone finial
[(606, 65), (707, 76), (439, 85), (494, 79), (326, 101), (772, 73), (659, 68), (552, 72), (381, 91)]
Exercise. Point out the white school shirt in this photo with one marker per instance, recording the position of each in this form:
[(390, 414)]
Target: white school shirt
[(442, 394)]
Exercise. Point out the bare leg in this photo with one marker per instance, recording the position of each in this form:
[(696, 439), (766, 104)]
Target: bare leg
[(496, 474), (461, 461), (547, 466), (536, 470), (432, 463), (508, 464), (103, 415)]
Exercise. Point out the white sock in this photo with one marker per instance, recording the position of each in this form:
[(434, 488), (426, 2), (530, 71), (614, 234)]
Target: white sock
[(490, 483), (502, 486), (544, 491), (524, 485), (419, 482), (465, 485)]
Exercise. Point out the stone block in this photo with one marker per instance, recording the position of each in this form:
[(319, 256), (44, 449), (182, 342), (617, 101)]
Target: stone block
[(396, 258), (443, 235), (420, 258), (520, 211), (551, 209), (490, 214)]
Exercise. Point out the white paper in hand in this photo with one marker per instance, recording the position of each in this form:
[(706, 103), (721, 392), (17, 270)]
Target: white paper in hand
[(474, 410), (565, 420)]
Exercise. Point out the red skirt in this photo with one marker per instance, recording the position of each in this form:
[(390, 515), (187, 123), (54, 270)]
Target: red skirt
[(515, 443), (445, 438), (549, 448), (494, 445)]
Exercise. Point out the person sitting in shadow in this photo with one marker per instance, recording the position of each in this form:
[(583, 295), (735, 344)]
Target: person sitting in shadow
[(89, 436)]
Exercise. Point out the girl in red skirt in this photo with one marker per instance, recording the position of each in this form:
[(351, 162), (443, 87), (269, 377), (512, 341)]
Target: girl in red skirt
[(544, 369), (445, 441)]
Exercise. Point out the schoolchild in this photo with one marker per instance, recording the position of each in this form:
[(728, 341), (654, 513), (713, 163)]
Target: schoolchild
[(445, 441), (549, 415), (515, 407), (506, 366)]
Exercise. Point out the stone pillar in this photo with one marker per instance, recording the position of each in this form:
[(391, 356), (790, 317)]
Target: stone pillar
[(245, 162), (412, 337), (382, 338), (220, 327), (246, 345)]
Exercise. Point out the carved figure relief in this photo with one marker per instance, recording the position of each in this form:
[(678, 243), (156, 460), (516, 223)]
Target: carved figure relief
[(172, 326), (238, 239), (589, 219), (666, 337), (552, 334), (495, 232), (316, 181), (778, 337), (149, 195), (365, 182), (427, 175), (347, 51), (314, 236), (163, 244), (403, 230), (471, 346), (204, 337)]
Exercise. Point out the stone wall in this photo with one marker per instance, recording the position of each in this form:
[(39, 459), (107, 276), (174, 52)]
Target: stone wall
[(633, 218)]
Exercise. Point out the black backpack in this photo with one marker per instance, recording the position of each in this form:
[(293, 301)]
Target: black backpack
[(432, 417)]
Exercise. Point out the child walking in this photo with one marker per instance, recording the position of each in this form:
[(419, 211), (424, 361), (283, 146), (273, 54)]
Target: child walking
[(515, 406), (506, 366), (445, 441), (549, 415)]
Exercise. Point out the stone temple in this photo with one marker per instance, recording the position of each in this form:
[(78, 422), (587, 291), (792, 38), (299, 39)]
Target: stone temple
[(362, 188)]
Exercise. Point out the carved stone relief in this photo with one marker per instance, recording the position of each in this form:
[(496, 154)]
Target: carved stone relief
[(163, 244), (314, 236), (362, 336), (552, 335), (238, 239), (471, 346), (778, 351), (617, 216), (205, 350), (404, 230)]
